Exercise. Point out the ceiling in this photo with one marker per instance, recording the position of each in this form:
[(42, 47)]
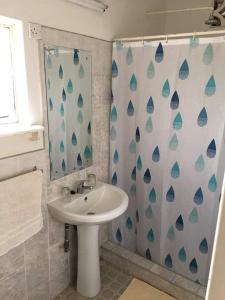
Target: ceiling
[(124, 18)]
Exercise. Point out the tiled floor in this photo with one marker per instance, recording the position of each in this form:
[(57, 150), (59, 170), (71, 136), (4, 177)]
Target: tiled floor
[(114, 283)]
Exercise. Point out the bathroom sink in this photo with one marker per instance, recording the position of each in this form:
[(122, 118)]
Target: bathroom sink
[(88, 210), (100, 205)]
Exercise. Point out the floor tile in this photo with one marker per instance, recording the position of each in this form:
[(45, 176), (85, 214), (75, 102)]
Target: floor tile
[(114, 282)]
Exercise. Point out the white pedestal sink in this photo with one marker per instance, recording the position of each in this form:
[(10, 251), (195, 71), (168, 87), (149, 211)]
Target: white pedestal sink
[(100, 205)]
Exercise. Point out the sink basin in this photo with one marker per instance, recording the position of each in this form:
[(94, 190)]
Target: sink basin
[(100, 205)]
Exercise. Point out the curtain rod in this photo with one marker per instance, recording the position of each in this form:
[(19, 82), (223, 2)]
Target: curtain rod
[(169, 36), (171, 11)]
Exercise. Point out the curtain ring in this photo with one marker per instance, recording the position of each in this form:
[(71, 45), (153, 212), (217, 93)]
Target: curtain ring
[(194, 35), (166, 38)]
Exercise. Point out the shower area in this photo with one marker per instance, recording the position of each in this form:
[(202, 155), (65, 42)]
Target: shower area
[(167, 149)]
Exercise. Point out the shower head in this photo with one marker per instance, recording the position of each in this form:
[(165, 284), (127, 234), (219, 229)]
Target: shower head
[(213, 21), (217, 16)]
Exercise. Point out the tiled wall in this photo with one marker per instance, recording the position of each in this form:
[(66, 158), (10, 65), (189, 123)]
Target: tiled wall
[(39, 269)]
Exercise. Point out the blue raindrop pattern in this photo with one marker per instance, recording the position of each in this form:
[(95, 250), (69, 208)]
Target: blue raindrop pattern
[(193, 266), (174, 104), (63, 95), (184, 70), (170, 195), (166, 89), (149, 125), (151, 71), (74, 139), (178, 122), (130, 109), (156, 122), (129, 57), (151, 236), (70, 87), (203, 247), (159, 53), (114, 69), (150, 106), (148, 254), (129, 223), (200, 164), (147, 177), (175, 172), (211, 150), (60, 72), (50, 104), (173, 143), (81, 72), (76, 58), (119, 235), (199, 197), (168, 261), (149, 212), (156, 154), (202, 118), (210, 88), (133, 83), (212, 185), (208, 55), (80, 101), (138, 135), (171, 234), (180, 224), (182, 255), (152, 196)]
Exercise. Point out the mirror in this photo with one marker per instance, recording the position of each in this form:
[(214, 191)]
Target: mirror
[(68, 86)]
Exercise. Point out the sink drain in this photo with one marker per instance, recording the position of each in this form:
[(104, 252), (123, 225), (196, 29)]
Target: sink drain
[(90, 213)]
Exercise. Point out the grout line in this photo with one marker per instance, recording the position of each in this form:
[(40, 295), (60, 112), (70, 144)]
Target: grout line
[(49, 276), (25, 272)]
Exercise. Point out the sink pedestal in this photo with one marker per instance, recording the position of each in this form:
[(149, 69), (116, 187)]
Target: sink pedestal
[(88, 277)]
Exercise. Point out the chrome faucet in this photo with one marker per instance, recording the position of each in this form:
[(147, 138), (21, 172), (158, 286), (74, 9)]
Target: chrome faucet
[(87, 184), (79, 187)]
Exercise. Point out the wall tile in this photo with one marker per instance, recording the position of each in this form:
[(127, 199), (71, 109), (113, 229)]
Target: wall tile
[(11, 261), (40, 292), (14, 286), (58, 284), (37, 273), (56, 231), (37, 245), (59, 270)]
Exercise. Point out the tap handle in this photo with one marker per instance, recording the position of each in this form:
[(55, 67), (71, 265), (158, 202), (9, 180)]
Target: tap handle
[(91, 178), (65, 191)]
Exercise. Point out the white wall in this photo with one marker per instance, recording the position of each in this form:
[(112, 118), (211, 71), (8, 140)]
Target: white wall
[(186, 21), (123, 18), (216, 285)]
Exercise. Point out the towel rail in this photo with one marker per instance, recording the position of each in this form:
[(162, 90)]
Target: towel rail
[(22, 173), (35, 169)]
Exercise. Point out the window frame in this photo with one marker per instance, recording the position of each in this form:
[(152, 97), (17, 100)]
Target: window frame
[(13, 117)]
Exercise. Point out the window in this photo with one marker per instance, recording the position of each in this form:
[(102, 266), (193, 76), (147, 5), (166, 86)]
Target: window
[(20, 102), (14, 107), (7, 78)]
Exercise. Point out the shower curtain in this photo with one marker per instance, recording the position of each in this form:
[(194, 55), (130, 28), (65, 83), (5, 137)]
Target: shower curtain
[(167, 149)]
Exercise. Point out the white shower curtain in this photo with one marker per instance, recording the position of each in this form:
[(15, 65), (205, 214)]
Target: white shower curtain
[(167, 149)]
